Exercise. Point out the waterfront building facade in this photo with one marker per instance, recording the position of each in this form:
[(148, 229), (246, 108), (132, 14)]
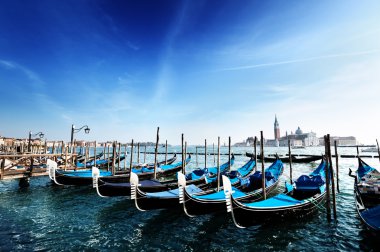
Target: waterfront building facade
[(300, 139), (341, 141)]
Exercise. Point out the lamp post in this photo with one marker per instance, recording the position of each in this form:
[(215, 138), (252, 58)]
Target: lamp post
[(73, 130), (39, 134)]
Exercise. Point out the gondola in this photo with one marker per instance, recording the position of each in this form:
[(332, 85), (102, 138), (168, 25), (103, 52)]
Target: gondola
[(211, 201), (151, 165), (85, 177), (170, 198), (80, 159), (367, 195), (299, 199), (102, 163), (295, 159), (148, 172), (110, 189)]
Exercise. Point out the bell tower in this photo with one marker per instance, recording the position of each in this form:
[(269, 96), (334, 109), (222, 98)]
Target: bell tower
[(276, 129)]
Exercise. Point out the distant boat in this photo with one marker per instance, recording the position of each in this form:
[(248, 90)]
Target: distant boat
[(298, 147), (295, 159), (372, 149)]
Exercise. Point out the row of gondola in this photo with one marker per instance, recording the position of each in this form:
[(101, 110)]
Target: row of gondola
[(242, 191), (367, 194)]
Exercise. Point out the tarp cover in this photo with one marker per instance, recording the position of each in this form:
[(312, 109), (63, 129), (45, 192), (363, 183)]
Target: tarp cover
[(372, 217), (280, 200), (87, 174), (173, 193), (364, 169), (220, 195)]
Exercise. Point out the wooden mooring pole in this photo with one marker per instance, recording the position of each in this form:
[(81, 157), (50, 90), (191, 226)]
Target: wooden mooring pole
[(95, 153), (332, 177), (113, 157), (213, 151), (196, 156), (337, 165), (145, 154), (66, 147), (131, 160), (205, 153), (357, 150), (184, 164), (166, 151), (378, 149), (229, 152), (108, 157), (2, 165), (25, 180), (218, 164), (290, 162), (183, 154), (262, 165), (74, 157), (138, 153), (85, 155), (255, 145), (118, 157), (125, 156), (327, 174), (155, 153)]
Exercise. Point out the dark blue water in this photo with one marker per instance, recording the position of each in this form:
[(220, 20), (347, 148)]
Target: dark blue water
[(45, 217)]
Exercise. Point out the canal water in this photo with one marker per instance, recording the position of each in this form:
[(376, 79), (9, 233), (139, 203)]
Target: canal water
[(46, 217)]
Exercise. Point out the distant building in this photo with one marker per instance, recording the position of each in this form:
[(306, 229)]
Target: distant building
[(297, 139), (276, 129), (8, 140), (300, 139), (243, 144), (342, 141), (272, 143)]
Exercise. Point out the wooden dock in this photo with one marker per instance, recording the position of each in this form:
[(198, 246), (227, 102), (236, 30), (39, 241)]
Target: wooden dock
[(29, 166)]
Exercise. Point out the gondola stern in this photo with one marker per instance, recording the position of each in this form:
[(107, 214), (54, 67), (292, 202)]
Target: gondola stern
[(134, 182), (53, 168), (227, 188)]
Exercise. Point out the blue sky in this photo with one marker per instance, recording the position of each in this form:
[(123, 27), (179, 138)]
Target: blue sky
[(202, 68)]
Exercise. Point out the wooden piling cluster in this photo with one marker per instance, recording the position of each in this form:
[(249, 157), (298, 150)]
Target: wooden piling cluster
[(329, 172)]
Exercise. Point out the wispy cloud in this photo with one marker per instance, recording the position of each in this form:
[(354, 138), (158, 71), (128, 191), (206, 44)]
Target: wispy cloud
[(36, 80), (375, 51), (7, 64), (133, 46)]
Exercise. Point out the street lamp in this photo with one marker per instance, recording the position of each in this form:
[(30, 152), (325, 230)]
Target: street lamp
[(39, 134), (73, 130)]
